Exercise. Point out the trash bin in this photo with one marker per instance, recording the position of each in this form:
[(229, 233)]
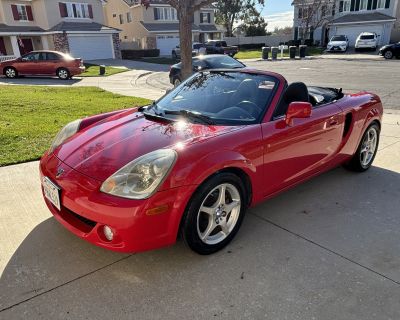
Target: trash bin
[(265, 52), (274, 53), (102, 70), (292, 52), (302, 51)]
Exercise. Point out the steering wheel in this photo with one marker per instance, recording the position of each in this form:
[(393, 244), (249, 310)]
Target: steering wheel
[(250, 107)]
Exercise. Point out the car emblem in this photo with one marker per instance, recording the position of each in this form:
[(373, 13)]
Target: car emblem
[(59, 173)]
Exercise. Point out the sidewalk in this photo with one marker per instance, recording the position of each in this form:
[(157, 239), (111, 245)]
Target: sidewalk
[(320, 250)]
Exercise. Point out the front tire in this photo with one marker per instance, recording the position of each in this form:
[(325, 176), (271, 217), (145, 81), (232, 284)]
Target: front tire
[(366, 151), (388, 55), (177, 82), (10, 72), (63, 74), (214, 214)]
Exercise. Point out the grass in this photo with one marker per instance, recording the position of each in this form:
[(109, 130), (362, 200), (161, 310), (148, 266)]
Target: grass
[(256, 53), (92, 70), (31, 116)]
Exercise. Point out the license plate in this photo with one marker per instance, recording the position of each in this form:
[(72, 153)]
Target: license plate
[(51, 192)]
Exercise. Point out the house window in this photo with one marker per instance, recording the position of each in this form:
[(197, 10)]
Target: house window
[(128, 17), (346, 6), (77, 10), (22, 14), (121, 19), (304, 12), (205, 17), (363, 4), (380, 4), (324, 11), (166, 14)]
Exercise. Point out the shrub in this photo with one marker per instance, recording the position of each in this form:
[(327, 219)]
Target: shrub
[(142, 53)]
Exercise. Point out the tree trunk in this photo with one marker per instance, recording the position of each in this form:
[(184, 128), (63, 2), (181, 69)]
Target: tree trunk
[(185, 31)]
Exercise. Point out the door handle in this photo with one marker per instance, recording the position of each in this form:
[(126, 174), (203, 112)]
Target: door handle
[(333, 122)]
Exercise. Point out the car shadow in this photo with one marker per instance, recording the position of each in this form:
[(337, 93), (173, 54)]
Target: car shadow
[(355, 215), (39, 81)]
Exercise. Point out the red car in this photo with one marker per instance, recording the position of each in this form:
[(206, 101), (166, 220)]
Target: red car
[(43, 63), (195, 160)]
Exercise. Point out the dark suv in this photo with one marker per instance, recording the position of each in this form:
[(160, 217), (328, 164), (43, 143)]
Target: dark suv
[(391, 50)]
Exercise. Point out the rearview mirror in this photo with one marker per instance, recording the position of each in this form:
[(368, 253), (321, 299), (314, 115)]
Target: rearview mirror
[(298, 110)]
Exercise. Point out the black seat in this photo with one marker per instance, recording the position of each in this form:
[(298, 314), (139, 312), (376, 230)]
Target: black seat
[(297, 91)]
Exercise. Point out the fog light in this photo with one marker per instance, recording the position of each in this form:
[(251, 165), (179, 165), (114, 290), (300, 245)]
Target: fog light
[(108, 233)]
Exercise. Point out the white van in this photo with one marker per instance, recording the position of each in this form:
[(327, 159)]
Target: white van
[(367, 40)]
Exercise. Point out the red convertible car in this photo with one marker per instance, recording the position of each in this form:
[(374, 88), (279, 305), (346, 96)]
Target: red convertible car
[(195, 160)]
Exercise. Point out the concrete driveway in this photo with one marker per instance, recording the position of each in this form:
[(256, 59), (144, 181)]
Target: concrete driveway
[(328, 249)]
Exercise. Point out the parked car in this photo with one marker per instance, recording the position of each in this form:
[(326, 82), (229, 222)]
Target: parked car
[(43, 63), (367, 40), (196, 50), (391, 50), (204, 63), (192, 162), (338, 43), (220, 47)]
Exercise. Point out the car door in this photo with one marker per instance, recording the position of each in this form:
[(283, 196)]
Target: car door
[(292, 153), (28, 63), (52, 63)]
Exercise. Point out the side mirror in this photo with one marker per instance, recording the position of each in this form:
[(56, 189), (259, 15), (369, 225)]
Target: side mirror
[(197, 68), (298, 110), (168, 91)]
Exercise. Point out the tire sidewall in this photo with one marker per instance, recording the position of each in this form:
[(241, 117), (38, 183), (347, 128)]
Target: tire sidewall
[(357, 157), (189, 221)]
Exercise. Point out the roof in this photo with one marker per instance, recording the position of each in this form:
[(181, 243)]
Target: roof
[(165, 27), (81, 26), (362, 18), (208, 28), (6, 28), (155, 2)]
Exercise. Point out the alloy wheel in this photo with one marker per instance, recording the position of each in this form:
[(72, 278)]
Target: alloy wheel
[(11, 73), (388, 54), (63, 74), (368, 148)]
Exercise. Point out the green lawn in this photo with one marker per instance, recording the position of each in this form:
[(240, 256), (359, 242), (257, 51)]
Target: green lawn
[(92, 70), (30, 116), (256, 54)]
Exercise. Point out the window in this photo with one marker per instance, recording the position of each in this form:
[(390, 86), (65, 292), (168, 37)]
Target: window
[(205, 17), (166, 14), (128, 17), (31, 57), (78, 10), (346, 6), (121, 19), (22, 14), (114, 15), (363, 4), (52, 56), (380, 4)]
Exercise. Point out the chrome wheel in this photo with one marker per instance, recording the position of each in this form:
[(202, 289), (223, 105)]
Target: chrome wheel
[(388, 55), (11, 73), (63, 74), (218, 214), (368, 148)]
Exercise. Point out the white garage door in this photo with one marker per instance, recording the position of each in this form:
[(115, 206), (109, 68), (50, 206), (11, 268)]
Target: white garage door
[(167, 43), (91, 47), (352, 32)]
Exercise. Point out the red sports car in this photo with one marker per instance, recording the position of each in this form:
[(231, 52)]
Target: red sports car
[(43, 63), (195, 160)]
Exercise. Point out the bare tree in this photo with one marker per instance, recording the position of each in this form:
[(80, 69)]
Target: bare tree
[(313, 14), (185, 10)]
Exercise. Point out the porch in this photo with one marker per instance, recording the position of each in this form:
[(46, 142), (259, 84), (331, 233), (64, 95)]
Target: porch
[(13, 46)]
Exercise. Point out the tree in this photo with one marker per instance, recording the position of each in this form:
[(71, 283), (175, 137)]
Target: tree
[(185, 10), (253, 23), (231, 11), (283, 31)]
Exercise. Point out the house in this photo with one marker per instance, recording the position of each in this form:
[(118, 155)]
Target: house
[(347, 17), (67, 26), (157, 26)]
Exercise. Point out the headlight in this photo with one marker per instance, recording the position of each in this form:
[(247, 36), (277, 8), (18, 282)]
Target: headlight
[(68, 131), (140, 178)]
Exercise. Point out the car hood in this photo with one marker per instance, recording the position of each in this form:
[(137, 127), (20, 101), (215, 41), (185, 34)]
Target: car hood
[(337, 43), (103, 148)]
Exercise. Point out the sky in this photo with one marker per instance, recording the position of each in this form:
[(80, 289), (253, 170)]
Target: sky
[(278, 13)]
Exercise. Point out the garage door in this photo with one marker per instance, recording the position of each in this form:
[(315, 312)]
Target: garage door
[(352, 32), (91, 47), (167, 43)]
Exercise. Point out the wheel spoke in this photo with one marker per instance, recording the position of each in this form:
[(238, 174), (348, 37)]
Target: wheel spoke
[(230, 206), (207, 210), (210, 228), (221, 196), (225, 229)]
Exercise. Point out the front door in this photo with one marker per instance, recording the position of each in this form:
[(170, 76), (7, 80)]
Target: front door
[(291, 153), (25, 46), (29, 64)]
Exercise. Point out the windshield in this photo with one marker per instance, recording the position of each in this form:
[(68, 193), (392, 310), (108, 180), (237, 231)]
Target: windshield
[(224, 62), (368, 37), (225, 97), (338, 38)]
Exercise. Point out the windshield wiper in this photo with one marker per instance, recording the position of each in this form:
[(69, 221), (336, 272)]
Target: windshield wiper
[(153, 107), (191, 115)]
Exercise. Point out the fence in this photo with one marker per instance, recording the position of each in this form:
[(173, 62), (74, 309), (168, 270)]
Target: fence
[(6, 58), (270, 41)]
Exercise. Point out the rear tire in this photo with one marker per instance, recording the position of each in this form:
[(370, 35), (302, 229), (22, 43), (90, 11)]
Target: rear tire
[(177, 82), (366, 151), (63, 74), (214, 214), (10, 72)]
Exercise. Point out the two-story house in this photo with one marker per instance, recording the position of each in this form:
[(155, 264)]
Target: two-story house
[(350, 18), (67, 26), (157, 26)]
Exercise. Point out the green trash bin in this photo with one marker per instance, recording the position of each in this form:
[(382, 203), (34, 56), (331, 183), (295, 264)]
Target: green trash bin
[(274, 53), (265, 52), (292, 52), (302, 51), (102, 70)]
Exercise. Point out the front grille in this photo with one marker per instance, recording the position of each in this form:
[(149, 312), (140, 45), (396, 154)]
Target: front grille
[(86, 221)]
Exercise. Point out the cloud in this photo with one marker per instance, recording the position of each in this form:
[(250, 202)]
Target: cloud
[(282, 19)]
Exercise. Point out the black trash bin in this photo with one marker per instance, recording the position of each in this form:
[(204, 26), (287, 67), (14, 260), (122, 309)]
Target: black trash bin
[(292, 52), (274, 53), (302, 51), (102, 70), (265, 52)]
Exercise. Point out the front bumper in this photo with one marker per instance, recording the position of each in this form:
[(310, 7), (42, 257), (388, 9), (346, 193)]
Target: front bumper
[(138, 225), (336, 49)]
